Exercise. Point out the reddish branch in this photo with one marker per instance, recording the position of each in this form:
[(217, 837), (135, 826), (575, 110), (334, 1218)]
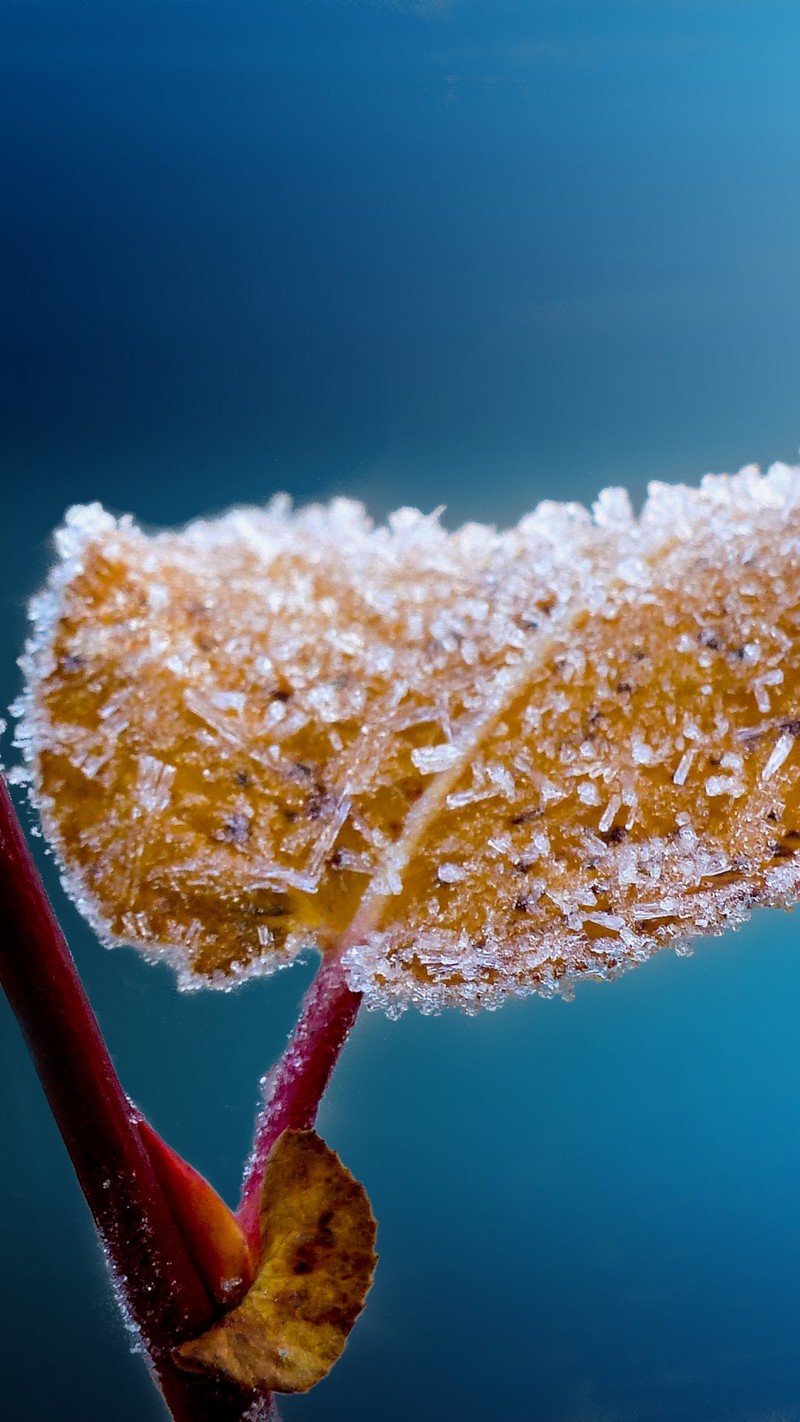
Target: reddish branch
[(161, 1283), (294, 1088)]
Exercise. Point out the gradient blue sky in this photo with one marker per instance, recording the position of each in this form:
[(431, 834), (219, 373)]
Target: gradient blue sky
[(473, 254)]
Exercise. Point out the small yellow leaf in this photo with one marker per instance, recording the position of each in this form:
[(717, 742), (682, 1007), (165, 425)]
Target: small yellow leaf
[(318, 1258)]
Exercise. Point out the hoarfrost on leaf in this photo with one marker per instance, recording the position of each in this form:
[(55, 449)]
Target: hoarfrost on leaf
[(483, 762)]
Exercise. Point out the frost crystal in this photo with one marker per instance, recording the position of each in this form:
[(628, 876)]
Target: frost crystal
[(487, 763), (778, 755)]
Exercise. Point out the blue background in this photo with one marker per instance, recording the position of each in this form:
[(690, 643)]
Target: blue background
[(465, 253)]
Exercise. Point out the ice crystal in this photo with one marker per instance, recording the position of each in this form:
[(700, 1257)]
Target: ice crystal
[(487, 762)]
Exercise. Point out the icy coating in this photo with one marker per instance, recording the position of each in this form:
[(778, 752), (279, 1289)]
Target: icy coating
[(485, 762)]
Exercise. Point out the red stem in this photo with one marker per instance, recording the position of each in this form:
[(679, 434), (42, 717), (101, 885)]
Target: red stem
[(294, 1088), (162, 1287)]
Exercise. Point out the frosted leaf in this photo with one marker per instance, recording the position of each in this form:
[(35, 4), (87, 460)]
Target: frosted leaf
[(486, 763), (224, 764), (665, 665)]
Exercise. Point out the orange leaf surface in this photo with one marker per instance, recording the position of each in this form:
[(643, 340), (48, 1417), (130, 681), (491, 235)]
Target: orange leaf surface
[(317, 1262), (488, 763)]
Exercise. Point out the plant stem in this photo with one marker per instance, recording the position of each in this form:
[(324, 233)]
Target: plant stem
[(294, 1088), (160, 1283)]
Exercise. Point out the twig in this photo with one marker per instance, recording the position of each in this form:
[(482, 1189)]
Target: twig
[(160, 1283), (294, 1088)]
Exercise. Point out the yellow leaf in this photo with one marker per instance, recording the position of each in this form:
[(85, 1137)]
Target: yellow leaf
[(317, 1262), (488, 763)]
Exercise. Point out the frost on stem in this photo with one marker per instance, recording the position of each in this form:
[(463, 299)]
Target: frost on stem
[(490, 763)]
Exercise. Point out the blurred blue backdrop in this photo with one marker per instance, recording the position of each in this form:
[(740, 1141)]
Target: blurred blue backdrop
[(474, 253)]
